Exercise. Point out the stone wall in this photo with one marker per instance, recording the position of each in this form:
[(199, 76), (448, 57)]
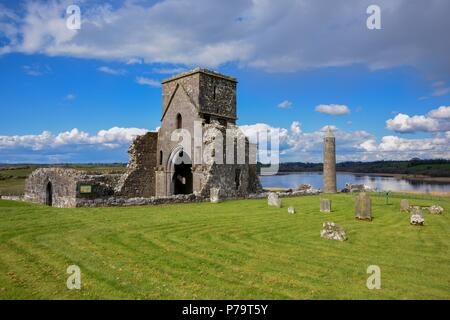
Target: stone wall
[(67, 186), (217, 95), (139, 180), (190, 198), (63, 186), (236, 179)]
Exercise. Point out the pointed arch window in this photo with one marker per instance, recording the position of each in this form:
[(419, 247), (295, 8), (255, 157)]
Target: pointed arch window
[(179, 121)]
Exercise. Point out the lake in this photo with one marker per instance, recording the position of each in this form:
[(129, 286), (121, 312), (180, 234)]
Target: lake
[(381, 183)]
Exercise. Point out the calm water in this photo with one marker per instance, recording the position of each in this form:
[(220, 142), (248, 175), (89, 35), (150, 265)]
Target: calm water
[(377, 182)]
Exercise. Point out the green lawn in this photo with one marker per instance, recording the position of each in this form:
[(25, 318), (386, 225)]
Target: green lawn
[(232, 250)]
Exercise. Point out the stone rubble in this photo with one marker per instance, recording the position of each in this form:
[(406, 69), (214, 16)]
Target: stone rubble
[(417, 220), (332, 231), (356, 188), (435, 209)]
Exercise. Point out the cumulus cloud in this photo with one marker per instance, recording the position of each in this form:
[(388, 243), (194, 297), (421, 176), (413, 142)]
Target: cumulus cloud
[(435, 121), (253, 33), (286, 104), (333, 109), (111, 138), (294, 145), (393, 147), (443, 112), (148, 82), (297, 145)]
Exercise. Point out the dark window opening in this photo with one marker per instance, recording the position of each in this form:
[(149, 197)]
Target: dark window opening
[(49, 194), (237, 178), (160, 157), (207, 119), (179, 121), (182, 179), (214, 93)]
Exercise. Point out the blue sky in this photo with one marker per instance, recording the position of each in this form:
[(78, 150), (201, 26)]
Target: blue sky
[(81, 96)]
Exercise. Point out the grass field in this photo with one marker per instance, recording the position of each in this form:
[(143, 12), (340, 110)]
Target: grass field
[(235, 249)]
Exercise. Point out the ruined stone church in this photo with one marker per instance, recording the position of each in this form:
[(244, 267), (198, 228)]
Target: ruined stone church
[(173, 161)]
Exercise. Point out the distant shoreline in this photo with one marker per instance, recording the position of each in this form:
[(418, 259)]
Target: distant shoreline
[(410, 177)]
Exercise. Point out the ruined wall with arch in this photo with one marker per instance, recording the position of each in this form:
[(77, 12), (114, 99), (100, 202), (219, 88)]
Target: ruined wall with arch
[(63, 186)]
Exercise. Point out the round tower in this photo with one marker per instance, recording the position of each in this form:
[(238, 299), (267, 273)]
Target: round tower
[(329, 162)]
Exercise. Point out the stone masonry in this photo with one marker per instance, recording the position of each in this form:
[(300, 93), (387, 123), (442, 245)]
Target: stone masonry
[(139, 180), (161, 167), (329, 163)]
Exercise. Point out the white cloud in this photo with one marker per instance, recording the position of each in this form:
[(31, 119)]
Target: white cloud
[(443, 112), (286, 104), (294, 145), (148, 82), (393, 147), (110, 138), (253, 33), (114, 72), (134, 61), (436, 120), (404, 123), (333, 109)]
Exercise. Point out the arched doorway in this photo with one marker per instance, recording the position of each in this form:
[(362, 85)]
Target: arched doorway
[(180, 170), (49, 194)]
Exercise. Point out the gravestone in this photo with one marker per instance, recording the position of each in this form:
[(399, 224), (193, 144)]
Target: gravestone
[(416, 218), (325, 205), (363, 207), (273, 200), (404, 205), (291, 210), (435, 209), (333, 231), (214, 194)]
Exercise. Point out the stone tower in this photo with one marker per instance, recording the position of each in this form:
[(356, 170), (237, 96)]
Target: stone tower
[(329, 163), (203, 101)]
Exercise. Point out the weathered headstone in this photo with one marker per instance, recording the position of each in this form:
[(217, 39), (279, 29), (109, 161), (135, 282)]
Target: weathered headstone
[(363, 207), (273, 200), (416, 218), (214, 194), (333, 231), (291, 210), (404, 205), (325, 205), (435, 209)]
